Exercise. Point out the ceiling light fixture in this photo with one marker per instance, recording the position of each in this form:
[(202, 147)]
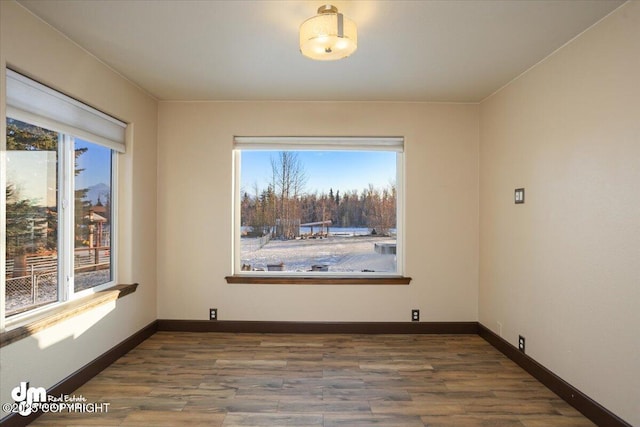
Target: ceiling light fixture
[(328, 35)]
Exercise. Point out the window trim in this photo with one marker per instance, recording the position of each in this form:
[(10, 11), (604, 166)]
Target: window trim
[(313, 143), (272, 143), (317, 280), (66, 249)]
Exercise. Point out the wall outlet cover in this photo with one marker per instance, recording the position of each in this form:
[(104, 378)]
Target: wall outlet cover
[(415, 315), (521, 343), (213, 314)]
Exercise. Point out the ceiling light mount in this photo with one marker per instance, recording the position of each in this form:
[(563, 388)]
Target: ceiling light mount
[(328, 36), (327, 8)]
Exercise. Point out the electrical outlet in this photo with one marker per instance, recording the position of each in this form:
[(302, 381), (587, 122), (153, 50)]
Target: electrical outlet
[(499, 329), (213, 314), (415, 315), (521, 343), (519, 196)]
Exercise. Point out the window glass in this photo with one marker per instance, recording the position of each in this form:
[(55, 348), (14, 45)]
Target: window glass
[(92, 215), (318, 211), (31, 217)]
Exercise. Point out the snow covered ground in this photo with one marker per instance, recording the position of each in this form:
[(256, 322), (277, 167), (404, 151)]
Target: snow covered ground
[(20, 297), (339, 253)]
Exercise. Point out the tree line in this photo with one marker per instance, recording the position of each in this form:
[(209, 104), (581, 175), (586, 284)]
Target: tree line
[(284, 204)]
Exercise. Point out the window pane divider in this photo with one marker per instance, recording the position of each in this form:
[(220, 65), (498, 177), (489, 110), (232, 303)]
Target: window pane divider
[(66, 220)]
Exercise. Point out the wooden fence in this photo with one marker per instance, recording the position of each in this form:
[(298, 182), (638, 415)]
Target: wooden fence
[(85, 259)]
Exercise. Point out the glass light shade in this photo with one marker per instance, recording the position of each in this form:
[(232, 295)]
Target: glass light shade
[(328, 36)]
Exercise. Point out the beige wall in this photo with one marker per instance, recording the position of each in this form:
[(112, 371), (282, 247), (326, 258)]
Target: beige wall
[(195, 218), (563, 269), (32, 47)]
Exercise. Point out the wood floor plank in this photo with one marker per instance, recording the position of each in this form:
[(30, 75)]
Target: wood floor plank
[(559, 421), (473, 421), (323, 406), (366, 393), (418, 408), (226, 380), (200, 404), (369, 420), (170, 419), (279, 419)]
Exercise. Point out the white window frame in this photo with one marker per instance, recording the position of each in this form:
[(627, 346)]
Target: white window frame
[(395, 144), (33, 103)]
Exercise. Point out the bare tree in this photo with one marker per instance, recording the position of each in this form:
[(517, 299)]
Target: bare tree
[(289, 178), (380, 208)]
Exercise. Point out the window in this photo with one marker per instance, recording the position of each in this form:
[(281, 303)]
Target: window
[(59, 199), (319, 207)]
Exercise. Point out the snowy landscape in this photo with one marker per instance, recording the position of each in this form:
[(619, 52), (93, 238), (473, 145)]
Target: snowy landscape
[(338, 253), (47, 290)]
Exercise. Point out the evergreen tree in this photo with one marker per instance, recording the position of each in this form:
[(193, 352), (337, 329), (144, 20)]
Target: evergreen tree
[(24, 224), (27, 223), (27, 137)]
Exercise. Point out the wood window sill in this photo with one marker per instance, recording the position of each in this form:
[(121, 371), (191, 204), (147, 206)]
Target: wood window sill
[(319, 280), (64, 311)]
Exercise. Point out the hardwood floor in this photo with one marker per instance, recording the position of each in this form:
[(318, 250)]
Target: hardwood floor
[(223, 379)]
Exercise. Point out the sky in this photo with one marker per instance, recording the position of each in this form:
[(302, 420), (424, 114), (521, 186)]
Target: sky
[(96, 163), (33, 173), (337, 170)]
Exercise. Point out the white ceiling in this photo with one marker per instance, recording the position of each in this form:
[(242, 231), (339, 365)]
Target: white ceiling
[(458, 51)]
